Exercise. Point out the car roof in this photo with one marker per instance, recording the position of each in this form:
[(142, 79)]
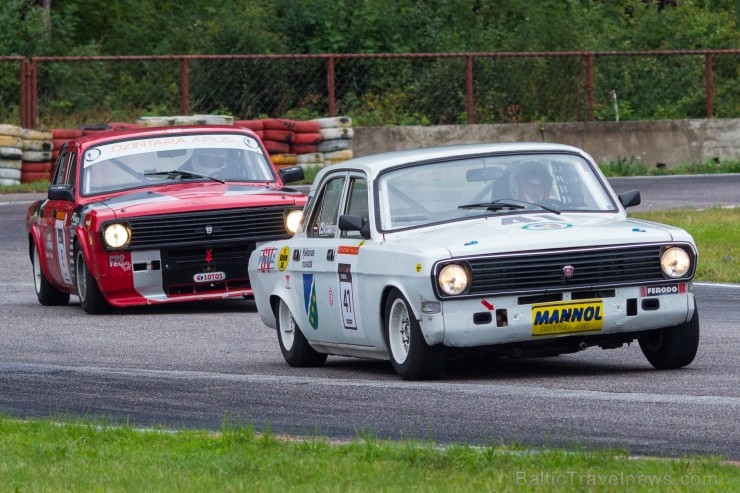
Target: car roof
[(374, 164), (111, 135)]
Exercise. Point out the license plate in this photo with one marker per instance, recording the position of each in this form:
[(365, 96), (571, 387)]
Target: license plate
[(563, 318)]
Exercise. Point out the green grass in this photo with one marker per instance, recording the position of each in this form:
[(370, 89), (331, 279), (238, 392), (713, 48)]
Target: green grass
[(41, 455), (633, 167), (716, 232)]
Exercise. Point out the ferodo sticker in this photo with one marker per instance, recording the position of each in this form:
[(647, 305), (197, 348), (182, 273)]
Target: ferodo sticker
[(560, 318), (209, 276), (677, 288)]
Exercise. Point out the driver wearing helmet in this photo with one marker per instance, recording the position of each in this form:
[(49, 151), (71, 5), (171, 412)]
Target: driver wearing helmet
[(530, 182), (209, 161)]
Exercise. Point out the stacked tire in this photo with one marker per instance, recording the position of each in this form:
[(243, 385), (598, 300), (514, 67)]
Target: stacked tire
[(60, 136), (336, 133), (11, 154), (38, 146), (254, 125)]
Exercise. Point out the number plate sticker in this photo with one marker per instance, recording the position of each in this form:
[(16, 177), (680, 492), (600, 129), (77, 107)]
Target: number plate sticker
[(572, 316), (209, 277)]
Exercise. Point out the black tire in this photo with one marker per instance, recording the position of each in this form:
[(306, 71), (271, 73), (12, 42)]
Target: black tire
[(91, 299), (296, 350), (47, 294), (672, 347), (411, 356)]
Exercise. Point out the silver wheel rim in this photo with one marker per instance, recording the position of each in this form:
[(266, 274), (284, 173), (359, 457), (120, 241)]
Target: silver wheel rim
[(81, 276), (287, 326), (399, 331), (36, 270)]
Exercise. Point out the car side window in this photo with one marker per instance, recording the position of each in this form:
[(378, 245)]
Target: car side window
[(324, 221), (64, 174), (357, 204)]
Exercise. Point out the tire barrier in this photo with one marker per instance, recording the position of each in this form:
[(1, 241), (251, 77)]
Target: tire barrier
[(28, 155), (11, 154)]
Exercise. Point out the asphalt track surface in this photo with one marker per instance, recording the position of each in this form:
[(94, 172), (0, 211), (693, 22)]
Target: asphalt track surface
[(200, 365)]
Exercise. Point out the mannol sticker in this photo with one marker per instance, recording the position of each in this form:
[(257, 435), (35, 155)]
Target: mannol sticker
[(209, 276), (575, 316)]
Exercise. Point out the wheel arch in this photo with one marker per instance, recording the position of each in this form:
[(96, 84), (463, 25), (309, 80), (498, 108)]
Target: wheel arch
[(82, 242), (385, 294), (34, 241)]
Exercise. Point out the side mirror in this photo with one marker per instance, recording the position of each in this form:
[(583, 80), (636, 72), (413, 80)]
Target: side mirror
[(355, 223), (628, 199), (289, 175), (61, 192)]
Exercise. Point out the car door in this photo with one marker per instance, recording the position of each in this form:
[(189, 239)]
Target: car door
[(313, 263), (56, 217), (344, 278)]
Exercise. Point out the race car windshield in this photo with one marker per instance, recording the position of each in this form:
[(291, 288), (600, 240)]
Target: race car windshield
[(138, 163), (460, 189)]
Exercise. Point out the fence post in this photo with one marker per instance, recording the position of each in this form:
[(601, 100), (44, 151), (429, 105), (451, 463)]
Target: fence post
[(469, 98), (590, 85), (24, 94), (708, 84), (29, 94), (330, 85), (184, 86)]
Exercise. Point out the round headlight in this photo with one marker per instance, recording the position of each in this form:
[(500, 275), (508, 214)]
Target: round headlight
[(675, 262), (453, 279), (116, 235), (293, 221)]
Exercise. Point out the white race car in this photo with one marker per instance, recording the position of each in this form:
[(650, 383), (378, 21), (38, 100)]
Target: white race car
[(520, 249)]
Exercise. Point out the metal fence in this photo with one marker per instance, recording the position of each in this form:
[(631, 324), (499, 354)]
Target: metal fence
[(375, 89)]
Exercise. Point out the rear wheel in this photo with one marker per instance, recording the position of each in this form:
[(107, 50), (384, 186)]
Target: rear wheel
[(672, 347), (47, 294), (411, 356), (91, 299), (293, 344)]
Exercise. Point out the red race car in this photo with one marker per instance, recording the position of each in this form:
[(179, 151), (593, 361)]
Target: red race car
[(158, 215)]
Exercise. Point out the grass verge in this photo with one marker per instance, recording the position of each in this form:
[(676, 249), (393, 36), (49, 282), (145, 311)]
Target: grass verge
[(716, 232), (41, 455)]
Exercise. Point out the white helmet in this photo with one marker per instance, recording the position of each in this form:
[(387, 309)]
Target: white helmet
[(209, 161)]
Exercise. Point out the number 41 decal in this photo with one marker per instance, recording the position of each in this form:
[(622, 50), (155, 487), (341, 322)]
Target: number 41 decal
[(347, 297)]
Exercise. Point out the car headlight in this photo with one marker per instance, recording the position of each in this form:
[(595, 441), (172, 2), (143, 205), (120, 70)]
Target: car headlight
[(675, 262), (453, 279), (293, 221), (116, 235)]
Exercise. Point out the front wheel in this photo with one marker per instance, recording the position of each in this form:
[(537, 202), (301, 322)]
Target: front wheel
[(47, 294), (293, 344), (411, 356), (91, 299), (672, 347)]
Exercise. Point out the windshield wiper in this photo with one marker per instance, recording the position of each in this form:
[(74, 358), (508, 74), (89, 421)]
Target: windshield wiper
[(500, 204), (496, 205), (178, 173)]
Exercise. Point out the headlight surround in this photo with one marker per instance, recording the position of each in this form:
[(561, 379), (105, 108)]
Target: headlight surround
[(293, 221), (675, 262), (453, 279), (116, 235)]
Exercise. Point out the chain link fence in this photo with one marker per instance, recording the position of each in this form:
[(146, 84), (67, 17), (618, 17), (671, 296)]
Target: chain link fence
[(374, 89)]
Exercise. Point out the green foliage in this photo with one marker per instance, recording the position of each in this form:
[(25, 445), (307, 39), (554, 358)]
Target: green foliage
[(417, 92), (632, 166)]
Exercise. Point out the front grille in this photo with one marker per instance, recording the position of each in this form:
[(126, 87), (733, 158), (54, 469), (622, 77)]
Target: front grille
[(541, 272), (190, 228)]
